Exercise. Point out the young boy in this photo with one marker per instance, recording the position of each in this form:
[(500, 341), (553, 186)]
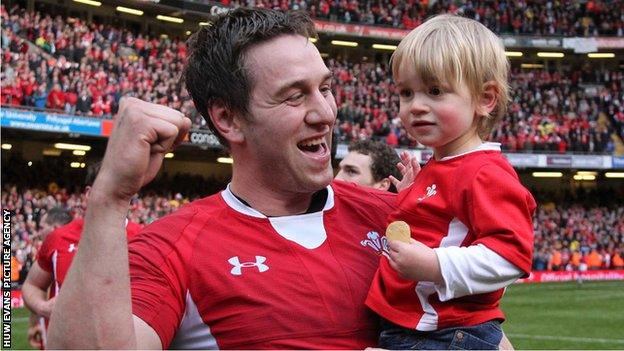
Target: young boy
[(469, 214)]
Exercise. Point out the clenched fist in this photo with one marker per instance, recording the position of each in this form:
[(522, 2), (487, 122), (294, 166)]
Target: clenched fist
[(144, 132)]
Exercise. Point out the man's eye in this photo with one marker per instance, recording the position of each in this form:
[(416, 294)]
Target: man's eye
[(435, 91), (295, 98)]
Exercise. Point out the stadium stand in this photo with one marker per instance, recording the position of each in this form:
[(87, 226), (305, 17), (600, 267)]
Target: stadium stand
[(563, 18), (86, 73)]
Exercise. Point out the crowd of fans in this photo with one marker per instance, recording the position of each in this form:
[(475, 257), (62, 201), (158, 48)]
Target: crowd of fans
[(89, 67), (562, 18), (81, 68), (566, 237)]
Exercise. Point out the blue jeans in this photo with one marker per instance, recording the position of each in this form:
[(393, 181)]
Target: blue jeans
[(484, 336)]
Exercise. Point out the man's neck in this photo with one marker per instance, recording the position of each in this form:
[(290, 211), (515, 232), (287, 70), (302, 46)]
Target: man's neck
[(267, 200)]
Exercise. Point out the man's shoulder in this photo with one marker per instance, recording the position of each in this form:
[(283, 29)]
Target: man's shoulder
[(353, 193), (201, 210)]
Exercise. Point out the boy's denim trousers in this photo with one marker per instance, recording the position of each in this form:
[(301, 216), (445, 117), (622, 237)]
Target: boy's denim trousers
[(486, 336)]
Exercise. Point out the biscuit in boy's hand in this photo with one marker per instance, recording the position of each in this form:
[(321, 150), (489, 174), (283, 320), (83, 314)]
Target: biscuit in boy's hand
[(398, 230)]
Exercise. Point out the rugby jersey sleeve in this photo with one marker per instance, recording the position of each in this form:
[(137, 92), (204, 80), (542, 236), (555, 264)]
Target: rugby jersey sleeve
[(44, 256), (500, 211), (158, 258)]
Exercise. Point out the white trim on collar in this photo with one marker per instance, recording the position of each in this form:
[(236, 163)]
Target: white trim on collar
[(238, 206), (487, 146)]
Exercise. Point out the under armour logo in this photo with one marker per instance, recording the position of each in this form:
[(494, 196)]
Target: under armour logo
[(376, 242), (431, 190), (238, 266), (72, 247)]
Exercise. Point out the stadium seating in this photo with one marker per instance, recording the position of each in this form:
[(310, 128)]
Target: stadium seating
[(563, 18), (87, 74)]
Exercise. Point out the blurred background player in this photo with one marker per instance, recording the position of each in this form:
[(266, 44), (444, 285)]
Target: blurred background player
[(46, 275), (50, 221), (370, 163), (54, 218)]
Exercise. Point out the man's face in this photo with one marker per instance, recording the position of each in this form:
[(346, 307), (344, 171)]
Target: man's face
[(356, 168), (46, 228), (292, 113)]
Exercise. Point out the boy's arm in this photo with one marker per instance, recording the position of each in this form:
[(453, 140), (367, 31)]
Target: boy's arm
[(456, 271), (472, 270)]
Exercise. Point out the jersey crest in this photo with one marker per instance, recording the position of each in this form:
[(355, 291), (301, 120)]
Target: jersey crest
[(376, 242)]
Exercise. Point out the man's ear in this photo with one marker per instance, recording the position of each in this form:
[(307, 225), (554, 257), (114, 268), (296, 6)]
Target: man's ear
[(488, 99), (226, 121), (383, 184)]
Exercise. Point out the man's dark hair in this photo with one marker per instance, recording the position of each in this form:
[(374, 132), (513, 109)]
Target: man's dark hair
[(216, 65), (92, 172), (58, 216), (383, 159)]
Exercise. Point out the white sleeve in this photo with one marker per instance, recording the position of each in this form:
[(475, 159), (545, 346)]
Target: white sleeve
[(473, 270)]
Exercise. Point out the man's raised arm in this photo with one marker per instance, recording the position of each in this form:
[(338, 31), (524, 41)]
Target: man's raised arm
[(94, 308)]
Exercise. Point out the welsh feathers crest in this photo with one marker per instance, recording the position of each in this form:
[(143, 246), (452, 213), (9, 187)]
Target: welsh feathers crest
[(376, 242)]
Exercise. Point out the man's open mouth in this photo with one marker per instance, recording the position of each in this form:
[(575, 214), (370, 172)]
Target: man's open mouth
[(314, 147)]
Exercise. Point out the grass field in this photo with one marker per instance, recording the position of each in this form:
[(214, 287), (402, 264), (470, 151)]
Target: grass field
[(539, 316)]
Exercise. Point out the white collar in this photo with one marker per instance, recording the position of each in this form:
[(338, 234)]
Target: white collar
[(487, 146), (238, 206)]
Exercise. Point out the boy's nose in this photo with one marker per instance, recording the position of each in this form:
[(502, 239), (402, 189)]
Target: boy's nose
[(418, 107)]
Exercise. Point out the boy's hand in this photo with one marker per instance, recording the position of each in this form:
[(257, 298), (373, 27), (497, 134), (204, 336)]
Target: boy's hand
[(409, 168), (414, 261)]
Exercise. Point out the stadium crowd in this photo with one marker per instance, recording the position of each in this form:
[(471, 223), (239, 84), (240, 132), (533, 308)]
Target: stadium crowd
[(89, 67), (82, 68), (568, 236), (542, 18)]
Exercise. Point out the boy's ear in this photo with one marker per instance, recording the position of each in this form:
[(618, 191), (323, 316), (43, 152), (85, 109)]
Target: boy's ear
[(226, 121), (488, 98)]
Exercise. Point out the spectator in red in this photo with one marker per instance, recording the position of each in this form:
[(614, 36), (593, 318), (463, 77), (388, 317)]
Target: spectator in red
[(56, 98)]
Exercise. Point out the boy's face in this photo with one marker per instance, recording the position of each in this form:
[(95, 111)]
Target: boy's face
[(436, 115)]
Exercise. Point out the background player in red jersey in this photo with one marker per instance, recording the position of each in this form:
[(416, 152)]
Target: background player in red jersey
[(370, 163), (54, 259), (52, 219), (469, 214)]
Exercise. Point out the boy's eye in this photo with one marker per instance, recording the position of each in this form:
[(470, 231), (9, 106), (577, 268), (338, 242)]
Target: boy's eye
[(405, 93), (435, 91)]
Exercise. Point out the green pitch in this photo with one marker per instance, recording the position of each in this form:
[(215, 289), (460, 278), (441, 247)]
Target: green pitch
[(539, 316), (565, 315)]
